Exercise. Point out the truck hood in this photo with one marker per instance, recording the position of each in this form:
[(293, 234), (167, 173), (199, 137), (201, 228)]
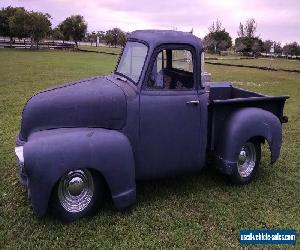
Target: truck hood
[(94, 102)]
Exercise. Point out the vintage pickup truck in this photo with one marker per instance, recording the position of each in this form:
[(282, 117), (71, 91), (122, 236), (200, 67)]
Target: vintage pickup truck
[(153, 117)]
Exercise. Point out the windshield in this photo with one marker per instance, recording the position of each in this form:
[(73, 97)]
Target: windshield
[(132, 60)]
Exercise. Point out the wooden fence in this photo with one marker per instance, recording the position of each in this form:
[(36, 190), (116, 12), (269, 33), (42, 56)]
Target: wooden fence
[(25, 44)]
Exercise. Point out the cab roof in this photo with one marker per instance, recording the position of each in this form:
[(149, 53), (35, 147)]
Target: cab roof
[(155, 38)]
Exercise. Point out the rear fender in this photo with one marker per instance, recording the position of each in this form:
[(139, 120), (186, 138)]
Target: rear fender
[(51, 154), (242, 125)]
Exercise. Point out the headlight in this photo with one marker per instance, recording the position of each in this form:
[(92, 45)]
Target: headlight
[(19, 153)]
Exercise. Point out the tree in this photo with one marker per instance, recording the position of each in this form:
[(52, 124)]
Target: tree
[(291, 49), (250, 28), (74, 27), (122, 39), (257, 45), (101, 35), (17, 23), (115, 37), (215, 26), (217, 39), (268, 44), (38, 26), (277, 47), (91, 37), (56, 34), (247, 41), (241, 30), (248, 44), (5, 15)]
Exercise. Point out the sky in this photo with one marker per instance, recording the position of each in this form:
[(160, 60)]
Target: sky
[(277, 20)]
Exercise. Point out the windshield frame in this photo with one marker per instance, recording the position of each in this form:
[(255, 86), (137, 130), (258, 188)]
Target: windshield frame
[(136, 83)]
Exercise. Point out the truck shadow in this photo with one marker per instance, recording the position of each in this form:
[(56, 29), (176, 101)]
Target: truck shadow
[(149, 192), (180, 185)]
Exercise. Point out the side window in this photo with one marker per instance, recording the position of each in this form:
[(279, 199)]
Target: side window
[(172, 70)]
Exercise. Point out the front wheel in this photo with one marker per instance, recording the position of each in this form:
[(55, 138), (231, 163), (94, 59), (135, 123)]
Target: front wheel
[(77, 194), (247, 164)]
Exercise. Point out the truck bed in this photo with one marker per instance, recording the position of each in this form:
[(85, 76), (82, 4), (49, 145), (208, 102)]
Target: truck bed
[(224, 99)]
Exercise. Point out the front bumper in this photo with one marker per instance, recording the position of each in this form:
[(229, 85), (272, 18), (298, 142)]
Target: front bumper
[(20, 160)]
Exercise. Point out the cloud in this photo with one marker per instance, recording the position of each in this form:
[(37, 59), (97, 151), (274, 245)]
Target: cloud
[(277, 20)]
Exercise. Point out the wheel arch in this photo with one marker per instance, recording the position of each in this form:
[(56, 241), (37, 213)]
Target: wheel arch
[(108, 152), (243, 125)]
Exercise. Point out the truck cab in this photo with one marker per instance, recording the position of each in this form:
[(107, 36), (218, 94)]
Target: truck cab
[(153, 117), (172, 101)]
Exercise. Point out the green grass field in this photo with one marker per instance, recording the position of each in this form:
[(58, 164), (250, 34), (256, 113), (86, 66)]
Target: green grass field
[(264, 62), (203, 210)]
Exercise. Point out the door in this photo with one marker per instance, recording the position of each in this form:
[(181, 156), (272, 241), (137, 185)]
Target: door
[(170, 111)]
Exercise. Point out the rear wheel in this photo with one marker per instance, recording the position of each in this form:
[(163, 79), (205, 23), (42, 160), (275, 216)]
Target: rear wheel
[(77, 194), (247, 164)]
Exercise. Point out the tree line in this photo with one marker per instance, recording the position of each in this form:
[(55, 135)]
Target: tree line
[(17, 22), (248, 41)]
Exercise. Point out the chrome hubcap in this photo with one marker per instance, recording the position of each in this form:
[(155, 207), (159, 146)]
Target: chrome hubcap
[(246, 160), (75, 190), (242, 157), (75, 186)]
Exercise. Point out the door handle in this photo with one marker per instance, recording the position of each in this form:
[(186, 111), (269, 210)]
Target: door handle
[(194, 102)]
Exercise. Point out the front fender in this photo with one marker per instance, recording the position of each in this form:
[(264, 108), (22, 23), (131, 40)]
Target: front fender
[(49, 154), (242, 125)]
